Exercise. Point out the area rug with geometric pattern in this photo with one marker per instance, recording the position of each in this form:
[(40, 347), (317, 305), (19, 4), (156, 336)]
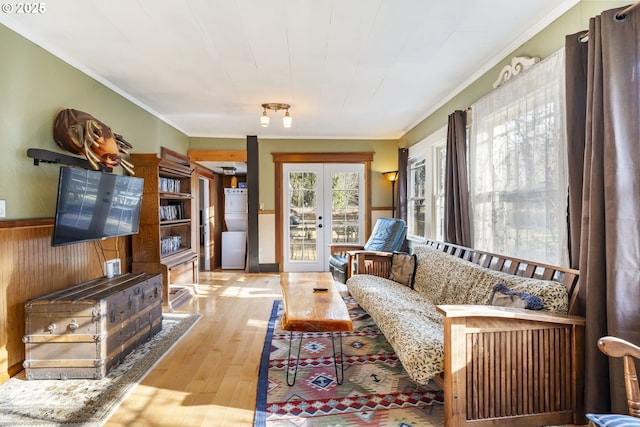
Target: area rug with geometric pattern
[(87, 402), (376, 390)]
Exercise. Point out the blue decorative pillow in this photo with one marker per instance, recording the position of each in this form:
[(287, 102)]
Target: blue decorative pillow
[(613, 420), (504, 297)]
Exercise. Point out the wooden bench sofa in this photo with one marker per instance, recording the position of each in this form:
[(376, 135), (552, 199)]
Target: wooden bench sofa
[(502, 366)]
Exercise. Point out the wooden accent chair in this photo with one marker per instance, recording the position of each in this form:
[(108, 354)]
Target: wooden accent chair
[(616, 347), (388, 235)]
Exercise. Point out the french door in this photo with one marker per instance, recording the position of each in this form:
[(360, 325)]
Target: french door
[(323, 203)]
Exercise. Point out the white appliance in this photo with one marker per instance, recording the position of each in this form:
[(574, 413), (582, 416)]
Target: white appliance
[(234, 241)]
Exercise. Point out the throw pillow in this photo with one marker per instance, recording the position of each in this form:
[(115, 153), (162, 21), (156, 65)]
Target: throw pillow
[(403, 268), (613, 420), (504, 297)]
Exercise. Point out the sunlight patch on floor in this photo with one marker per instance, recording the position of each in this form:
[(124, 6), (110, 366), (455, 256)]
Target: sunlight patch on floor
[(208, 288), (256, 323), (135, 410), (242, 292)]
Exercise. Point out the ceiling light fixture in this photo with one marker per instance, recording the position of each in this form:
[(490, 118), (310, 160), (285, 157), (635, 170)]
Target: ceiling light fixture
[(286, 120), (228, 170)]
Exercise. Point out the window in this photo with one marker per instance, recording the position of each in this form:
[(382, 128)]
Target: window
[(426, 187), (417, 197), (518, 187), (439, 164)]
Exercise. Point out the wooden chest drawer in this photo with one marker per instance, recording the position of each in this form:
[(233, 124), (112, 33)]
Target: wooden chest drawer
[(85, 330)]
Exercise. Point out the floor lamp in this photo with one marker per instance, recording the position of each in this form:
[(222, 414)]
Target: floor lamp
[(393, 177)]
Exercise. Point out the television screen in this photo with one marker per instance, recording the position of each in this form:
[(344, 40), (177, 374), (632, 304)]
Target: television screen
[(95, 205)]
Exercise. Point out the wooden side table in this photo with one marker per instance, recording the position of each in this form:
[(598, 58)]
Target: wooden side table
[(313, 304)]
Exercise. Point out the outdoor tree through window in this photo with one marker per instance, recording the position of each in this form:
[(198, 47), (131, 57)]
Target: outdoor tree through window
[(518, 184)]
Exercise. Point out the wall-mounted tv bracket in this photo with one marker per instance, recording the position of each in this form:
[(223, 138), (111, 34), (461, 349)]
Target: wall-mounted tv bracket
[(38, 155)]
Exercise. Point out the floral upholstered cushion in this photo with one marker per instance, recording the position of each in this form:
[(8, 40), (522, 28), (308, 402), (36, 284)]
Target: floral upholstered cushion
[(447, 279), (408, 321)]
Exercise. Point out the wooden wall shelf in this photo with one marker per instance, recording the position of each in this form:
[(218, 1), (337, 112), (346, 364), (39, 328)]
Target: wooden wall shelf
[(167, 240), (45, 156)]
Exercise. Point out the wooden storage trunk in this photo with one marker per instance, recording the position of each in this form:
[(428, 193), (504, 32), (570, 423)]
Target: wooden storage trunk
[(85, 330)]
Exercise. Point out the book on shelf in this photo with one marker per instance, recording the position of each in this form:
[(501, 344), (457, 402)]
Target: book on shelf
[(169, 244), (171, 212), (169, 185)]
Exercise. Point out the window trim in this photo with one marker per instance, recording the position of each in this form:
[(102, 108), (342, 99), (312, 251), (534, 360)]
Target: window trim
[(425, 150)]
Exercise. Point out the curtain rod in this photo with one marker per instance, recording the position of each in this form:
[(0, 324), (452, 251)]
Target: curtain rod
[(584, 37), (624, 13)]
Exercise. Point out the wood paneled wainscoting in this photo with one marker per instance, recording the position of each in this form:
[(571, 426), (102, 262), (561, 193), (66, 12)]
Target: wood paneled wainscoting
[(30, 267)]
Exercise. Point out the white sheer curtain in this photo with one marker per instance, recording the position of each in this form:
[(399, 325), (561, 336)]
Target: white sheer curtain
[(518, 179)]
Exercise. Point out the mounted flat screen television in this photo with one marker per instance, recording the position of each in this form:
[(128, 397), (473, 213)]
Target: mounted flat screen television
[(95, 205)]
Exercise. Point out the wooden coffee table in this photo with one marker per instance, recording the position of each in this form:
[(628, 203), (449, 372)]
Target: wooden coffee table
[(313, 304)]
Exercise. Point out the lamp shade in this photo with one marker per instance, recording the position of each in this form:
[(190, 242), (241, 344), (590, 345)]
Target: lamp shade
[(264, 119), (391, 175), (287, 120)]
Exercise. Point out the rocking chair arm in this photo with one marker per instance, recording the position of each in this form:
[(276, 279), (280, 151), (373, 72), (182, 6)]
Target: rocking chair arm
[(616, 347)]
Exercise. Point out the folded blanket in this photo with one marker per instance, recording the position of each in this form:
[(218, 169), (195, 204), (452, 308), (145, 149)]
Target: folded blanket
[(505, 297)]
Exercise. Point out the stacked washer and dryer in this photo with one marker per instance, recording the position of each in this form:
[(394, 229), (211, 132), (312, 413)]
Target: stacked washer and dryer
[(234, 240)]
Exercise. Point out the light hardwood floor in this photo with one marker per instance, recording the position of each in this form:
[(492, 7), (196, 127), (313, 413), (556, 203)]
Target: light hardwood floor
[(210, 377)]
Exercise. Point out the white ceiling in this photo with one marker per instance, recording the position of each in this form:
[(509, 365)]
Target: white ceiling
[(349, 68)]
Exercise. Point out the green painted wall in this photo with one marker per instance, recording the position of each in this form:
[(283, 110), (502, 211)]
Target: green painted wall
[(199, 143), (34, 86), (541, 45), (385, 159)]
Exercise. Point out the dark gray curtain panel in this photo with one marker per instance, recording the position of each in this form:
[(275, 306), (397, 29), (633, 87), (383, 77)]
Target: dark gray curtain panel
[(457, 228), (403, 161), (609, 258), (576, 109)]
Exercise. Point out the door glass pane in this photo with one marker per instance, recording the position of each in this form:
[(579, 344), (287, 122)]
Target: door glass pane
[(345, 201), (302, 216)]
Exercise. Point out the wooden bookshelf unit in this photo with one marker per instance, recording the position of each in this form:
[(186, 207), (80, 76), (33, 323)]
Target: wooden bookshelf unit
[(167, 240)]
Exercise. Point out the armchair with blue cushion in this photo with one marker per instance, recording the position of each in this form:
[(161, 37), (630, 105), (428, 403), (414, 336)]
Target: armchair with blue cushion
[(388, 235), (616, 347)]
